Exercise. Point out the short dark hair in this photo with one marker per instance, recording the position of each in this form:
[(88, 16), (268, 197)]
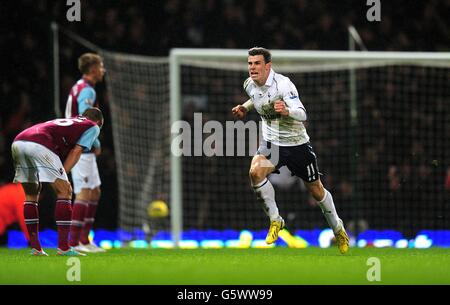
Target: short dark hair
[(88, 60), (94, 114), (261, 51)]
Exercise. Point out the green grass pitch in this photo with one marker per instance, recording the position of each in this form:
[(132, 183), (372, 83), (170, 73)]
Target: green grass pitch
[(231, 266)]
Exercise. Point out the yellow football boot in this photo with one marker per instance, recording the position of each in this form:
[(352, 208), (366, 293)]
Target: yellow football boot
[(275, 227), (342, 239)]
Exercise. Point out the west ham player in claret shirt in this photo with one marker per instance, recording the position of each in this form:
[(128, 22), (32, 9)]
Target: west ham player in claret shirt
[(46, 152), (85, 176)]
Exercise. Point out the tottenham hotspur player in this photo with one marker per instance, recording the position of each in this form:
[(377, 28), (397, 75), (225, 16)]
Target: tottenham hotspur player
[(276, 100)]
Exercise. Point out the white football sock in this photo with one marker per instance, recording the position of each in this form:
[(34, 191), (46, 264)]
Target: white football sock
[(266, 194), (329, 211)]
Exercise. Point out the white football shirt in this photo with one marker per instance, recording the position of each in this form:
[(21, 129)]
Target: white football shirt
[(277, 129)]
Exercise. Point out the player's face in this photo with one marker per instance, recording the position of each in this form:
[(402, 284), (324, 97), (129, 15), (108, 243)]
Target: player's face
[(258, 69), (99, 71)]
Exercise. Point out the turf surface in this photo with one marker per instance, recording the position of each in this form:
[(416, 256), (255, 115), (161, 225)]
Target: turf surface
[(230, 266)]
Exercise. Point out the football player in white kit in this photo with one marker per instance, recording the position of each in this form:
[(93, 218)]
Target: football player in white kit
[(285, 142)]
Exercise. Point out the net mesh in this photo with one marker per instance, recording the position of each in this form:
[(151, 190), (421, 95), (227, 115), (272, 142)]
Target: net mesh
[(138, 89), (389, 170)]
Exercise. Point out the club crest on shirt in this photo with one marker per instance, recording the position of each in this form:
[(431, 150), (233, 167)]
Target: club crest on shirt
[(61, 171), (292, 95)]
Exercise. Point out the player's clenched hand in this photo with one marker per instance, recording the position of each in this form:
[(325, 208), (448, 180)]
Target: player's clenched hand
[(239, 111), (280, 107)]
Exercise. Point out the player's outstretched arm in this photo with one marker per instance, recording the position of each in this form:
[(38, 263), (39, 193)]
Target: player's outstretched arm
[(240, 111)]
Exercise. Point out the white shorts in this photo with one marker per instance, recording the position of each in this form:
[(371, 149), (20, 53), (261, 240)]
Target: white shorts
[(36, 163), (85, 173)]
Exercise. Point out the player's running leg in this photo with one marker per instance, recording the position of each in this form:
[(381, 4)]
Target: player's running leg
[(325, 201), (260, 168)]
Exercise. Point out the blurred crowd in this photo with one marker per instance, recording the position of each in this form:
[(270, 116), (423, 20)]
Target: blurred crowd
[(153, 27)]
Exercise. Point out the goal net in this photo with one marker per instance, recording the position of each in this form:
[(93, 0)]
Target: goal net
[(379, 124), (138, 89)]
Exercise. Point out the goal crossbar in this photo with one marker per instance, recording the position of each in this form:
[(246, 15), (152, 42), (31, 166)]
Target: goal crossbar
[(314, 55)]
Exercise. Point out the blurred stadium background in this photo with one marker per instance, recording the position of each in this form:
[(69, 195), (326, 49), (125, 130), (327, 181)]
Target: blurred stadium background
[(396, 187)]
